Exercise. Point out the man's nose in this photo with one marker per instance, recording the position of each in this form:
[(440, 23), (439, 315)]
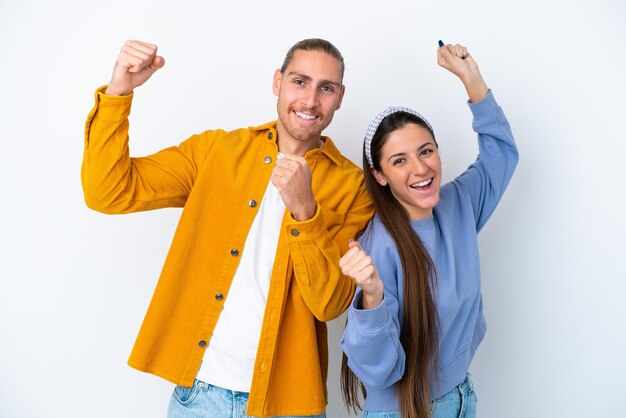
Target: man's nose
[(310, 97)]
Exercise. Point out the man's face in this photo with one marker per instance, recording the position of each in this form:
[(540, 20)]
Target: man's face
[(309, 92)]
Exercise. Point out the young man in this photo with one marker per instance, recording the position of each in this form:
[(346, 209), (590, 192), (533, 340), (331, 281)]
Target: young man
[(237, 317)]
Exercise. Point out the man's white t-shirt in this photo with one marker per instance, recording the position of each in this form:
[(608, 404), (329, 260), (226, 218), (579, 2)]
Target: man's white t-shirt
[(229, 359)]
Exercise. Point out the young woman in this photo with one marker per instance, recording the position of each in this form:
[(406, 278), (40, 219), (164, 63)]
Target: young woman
[(416, 319)]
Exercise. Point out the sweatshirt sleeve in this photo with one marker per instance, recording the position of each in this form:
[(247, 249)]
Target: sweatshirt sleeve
[(371, 339), (487, 178), (316, 251), (113, 182)]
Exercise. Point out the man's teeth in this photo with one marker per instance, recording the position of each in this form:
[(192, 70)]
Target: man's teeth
[(422, 183), (305, 116)]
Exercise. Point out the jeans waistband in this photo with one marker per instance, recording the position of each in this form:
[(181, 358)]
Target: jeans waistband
[(466, 386)]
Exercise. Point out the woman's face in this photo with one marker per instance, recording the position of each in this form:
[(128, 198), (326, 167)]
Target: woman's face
[(410, 164)]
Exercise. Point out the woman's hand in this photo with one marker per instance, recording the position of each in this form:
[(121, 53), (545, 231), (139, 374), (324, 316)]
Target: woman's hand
[(457, 60), (359, 267)]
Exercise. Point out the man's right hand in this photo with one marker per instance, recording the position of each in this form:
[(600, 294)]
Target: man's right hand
[(135, 64)]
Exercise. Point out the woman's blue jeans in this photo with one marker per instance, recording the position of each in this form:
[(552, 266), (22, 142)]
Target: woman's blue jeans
[(203, 400), (460, 402)]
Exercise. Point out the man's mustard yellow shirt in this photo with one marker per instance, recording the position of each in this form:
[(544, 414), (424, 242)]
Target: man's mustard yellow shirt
[(219, 178)]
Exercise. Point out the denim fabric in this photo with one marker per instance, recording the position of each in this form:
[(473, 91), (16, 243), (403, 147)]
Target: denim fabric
[(203, 400), (380, 414), (460, 402)]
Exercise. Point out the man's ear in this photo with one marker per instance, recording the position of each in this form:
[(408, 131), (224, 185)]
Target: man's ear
[(278, 77), (379, 176)]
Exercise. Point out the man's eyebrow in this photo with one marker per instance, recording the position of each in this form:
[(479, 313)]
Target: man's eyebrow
[(309, 78), (334, 83), (304, 76)]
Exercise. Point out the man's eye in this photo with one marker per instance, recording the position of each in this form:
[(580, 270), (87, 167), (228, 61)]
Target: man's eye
[(298, 82), (328, 89)]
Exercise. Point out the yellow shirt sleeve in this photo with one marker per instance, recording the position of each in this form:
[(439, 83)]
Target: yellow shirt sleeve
[(113, 182), (315, 252)]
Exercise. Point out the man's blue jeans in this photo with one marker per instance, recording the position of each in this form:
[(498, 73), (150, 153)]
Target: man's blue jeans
[(203, 400)]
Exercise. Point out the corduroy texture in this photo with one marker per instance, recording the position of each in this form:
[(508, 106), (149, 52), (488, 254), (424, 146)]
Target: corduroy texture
[(215, 175)]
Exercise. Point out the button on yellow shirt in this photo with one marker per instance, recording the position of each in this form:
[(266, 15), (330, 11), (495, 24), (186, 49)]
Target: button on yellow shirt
[(215, 176)]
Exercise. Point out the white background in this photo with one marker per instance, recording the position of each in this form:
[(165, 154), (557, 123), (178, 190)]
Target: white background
[(75, 284)]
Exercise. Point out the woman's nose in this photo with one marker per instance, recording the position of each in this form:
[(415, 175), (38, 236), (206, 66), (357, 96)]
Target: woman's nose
[(418, 166)]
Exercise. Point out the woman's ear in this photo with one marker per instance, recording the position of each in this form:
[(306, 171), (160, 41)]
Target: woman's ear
[(379, 176)]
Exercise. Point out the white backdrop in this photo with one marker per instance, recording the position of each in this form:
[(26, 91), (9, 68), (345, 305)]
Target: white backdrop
[(75, 284)]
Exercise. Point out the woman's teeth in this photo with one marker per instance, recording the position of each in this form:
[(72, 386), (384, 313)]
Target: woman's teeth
[(422, 183)]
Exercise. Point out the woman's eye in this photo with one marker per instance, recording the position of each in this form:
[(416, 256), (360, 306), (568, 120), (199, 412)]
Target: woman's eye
[(426, 152), (398, 161)]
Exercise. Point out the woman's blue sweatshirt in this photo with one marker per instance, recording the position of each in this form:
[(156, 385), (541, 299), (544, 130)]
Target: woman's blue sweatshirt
[(371, 339)]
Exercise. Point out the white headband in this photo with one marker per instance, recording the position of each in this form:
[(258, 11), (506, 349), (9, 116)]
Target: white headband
[(373, 126)]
